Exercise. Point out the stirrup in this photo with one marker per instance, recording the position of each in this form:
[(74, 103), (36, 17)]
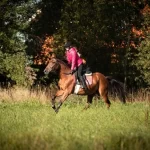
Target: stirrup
[(85, 88)]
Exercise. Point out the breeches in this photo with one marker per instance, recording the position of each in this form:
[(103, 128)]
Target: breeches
[(78, 73)]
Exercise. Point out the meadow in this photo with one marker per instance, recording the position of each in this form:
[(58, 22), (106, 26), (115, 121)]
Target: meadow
[(27, 122)]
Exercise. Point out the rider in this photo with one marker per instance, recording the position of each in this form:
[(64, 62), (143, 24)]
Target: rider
[(76, 62)]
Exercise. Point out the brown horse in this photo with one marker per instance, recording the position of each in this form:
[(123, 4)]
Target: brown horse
[(100, 84)]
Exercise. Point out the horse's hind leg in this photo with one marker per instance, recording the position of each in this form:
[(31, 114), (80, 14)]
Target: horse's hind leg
[(104, 94), (89, 101)]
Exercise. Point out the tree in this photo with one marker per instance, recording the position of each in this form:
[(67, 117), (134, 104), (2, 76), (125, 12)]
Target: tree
[(141, 61), (13, 24)]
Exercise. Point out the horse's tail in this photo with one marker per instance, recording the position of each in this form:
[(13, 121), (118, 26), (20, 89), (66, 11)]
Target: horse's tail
[(116, 88)]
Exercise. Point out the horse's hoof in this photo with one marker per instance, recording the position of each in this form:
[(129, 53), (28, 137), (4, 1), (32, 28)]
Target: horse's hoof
[(108, 107), (54, 107), (85, 108), (56, 110)]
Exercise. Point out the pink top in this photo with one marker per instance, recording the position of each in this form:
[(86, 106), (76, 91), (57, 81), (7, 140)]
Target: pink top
[(73, 58)]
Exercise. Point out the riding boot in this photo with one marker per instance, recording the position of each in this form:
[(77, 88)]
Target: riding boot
[(83, 83)]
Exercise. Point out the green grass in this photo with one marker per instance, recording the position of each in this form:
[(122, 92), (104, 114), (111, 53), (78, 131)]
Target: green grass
[(32, 125)]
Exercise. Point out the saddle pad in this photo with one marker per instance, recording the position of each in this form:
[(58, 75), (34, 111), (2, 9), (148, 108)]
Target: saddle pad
[(88, 82), (88, 79), (76, 89)]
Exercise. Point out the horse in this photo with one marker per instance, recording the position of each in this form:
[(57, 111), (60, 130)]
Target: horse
[(100, 85)]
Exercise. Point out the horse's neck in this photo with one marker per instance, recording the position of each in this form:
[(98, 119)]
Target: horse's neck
[(64, 69)]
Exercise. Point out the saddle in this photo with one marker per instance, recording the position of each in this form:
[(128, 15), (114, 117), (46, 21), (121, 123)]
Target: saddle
[(88, 79)]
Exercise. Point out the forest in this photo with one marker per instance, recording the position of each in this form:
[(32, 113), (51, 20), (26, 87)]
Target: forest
[(113, 37)]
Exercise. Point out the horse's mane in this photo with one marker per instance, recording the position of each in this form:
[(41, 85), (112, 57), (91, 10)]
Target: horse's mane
[(63, 62)]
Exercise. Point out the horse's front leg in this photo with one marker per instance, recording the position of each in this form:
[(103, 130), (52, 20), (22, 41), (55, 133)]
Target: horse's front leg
[(68, 90), (58, 93), (62, 99), (53, 102)]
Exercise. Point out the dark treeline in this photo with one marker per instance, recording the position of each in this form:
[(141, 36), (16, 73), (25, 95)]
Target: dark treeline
[(113, 36)]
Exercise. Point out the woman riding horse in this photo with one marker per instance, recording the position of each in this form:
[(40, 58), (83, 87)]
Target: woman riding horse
[(100, 85), (76, 63)]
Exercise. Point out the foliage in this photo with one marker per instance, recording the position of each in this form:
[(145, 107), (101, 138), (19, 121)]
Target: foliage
[(142, 61), (16, 18), (14, 66), (12, 39), (30, 76), (142, 55)]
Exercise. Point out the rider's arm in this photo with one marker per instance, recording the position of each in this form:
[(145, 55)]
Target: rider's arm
[(74, 58)]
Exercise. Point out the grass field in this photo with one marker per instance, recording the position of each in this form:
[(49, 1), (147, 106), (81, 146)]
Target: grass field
[(30, 124)]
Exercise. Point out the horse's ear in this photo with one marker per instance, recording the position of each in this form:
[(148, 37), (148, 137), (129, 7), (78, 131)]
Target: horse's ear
[(53, 55)]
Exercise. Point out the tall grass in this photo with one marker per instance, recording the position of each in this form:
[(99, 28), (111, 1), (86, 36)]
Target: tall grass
[(28, 122), (140, 95), (18, 94)]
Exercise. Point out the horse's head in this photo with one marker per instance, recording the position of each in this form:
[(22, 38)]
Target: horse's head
[(53, 65)]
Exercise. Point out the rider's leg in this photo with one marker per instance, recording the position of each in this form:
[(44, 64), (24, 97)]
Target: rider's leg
[(81, 77), (83, 83), (76, 77)]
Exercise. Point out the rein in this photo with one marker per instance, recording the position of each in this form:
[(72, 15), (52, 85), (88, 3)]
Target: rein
[(67, 73)]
